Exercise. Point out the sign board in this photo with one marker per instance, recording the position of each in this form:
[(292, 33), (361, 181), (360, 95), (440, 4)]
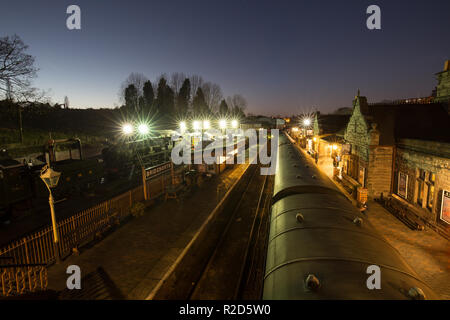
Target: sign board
[(445, 206), (402, 188), (160, 168)]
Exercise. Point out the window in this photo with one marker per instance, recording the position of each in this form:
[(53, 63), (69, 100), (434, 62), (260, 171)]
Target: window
[(430, 197), (402, 185), (420, 186)]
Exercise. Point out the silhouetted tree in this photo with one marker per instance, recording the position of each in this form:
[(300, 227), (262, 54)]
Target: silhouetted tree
[(196, 82), (183, 98), (149, 96), (176, 81), (16, 66), (165, 98), (237, 104), (199, 105), (131, 98), (213, 95), (223, 108)]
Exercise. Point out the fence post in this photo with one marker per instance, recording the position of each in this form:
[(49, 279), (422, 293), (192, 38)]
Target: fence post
[(26, 251), (131, 202)]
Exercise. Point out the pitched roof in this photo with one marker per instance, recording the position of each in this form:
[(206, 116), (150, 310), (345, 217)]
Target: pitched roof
[(333, 123), (410, 121)]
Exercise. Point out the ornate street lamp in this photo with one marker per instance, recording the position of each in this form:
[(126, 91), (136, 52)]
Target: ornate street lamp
[(51, 178)]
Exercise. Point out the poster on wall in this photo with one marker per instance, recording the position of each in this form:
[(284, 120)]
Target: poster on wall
[(402, 190), (445, 206), (362, 171)]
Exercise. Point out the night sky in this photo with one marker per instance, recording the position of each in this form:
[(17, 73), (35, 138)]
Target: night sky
[(282, 56)]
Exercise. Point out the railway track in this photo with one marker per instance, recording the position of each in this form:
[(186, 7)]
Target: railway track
[(235, 268)]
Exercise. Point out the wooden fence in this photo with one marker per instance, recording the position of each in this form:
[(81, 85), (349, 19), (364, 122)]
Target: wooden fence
[(38, 248)]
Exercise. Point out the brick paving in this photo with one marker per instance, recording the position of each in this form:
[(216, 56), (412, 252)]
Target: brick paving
[(136, 255), (427, 252)]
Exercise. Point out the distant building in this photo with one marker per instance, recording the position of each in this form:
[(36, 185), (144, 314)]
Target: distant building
[(279, 123), (443, 87), (256, 122)]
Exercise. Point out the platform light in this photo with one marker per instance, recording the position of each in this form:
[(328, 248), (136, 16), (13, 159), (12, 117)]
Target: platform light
[(334, 147), (234, 124), (183, 126), (127, 129), (307, 122), (206, 124), (143, 128), (314, 139), (223, 124), (196, 125)]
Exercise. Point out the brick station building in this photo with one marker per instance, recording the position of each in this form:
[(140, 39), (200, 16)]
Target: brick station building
[(402, 151)]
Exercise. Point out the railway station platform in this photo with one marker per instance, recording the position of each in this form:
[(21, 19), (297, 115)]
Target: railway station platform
[(129, 262), (427, 252)]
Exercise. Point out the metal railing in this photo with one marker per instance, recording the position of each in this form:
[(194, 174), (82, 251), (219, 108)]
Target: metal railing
[(38, 248), (17, 279)]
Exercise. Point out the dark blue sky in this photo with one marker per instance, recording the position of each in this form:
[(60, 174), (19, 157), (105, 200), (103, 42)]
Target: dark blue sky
[(283, 56)]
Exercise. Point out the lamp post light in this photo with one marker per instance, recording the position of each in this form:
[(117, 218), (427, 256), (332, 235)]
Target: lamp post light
[(143, 129), (183, 126), (51, 178)]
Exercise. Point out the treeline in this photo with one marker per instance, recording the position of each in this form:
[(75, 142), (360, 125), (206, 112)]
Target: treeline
[(178, 96), (40, 120)]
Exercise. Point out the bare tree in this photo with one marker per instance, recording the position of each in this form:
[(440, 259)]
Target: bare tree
[(136, 79), (213, 95), (176, 81), (196, 82), (16, 66), (237, 104), (25, 97)]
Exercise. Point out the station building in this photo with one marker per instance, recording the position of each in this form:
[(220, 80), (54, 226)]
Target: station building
[(403, 151)]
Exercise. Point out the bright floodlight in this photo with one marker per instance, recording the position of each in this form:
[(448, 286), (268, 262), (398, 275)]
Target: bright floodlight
[(206, 124), (234, 124), (196, 125), (127, 128), (307, 122), (223, 124), (143, 128), (334, 147), (183, 126)]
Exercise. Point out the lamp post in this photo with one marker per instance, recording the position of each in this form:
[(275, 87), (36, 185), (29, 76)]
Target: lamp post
[(51, 178)]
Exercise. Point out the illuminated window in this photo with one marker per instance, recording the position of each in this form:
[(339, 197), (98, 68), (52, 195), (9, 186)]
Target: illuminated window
[(430, 197)]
